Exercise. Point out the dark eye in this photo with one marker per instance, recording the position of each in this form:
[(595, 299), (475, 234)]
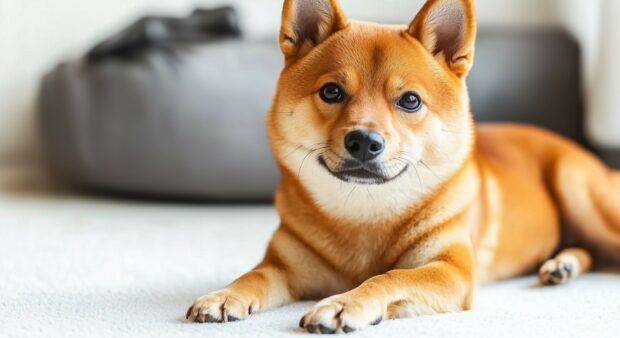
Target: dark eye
[(410, 102), (332, 93)]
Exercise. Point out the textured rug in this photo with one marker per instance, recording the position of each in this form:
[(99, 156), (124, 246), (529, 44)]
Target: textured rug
[(74, 266)]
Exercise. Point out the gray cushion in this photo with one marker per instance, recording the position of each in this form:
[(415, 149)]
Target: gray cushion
[(189, 127), (193, 126)]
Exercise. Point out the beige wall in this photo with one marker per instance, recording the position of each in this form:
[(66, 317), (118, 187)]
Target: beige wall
[(36, 34)]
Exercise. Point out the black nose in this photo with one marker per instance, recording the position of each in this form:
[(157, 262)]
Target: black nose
[(364, 145)]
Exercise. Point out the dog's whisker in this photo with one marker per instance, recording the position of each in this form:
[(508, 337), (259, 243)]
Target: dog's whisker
[(370, 195), (404, 161), (314, 147), (349, 195), (306, 157), (289, 113), (418, 174), (292, 152), (429, 168), (407, 161), (451, 131)]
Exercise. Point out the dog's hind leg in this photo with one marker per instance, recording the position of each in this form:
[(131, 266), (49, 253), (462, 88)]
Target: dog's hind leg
[(566, 266), (588, 194)]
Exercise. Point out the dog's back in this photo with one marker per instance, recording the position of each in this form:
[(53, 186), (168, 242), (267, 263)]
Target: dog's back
[(554, 194)]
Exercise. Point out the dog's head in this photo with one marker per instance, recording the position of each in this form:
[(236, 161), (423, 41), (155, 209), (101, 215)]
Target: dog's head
[(371, 119)]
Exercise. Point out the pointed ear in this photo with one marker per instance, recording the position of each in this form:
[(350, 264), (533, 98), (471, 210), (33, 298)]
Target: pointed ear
[(447, 28), (307, 23)]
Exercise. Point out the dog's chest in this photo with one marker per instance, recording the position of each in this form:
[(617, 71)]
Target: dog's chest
[(362, 253)]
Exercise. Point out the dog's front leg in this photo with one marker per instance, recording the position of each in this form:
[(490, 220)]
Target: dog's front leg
[(444, 284), (289, 272), (263, 288)]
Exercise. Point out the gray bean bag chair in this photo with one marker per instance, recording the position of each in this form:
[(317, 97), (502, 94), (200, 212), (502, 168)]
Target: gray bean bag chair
[(192, 125)]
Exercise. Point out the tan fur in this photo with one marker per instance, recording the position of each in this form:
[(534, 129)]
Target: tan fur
[(473, 204)]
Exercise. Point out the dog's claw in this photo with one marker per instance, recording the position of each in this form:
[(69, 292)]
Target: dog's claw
[(311, 328), (189, 312), (326, 330), (347, 329)]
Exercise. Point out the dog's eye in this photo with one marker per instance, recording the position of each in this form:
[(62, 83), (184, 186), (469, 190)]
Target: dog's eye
[(410, 102), (332, 93)]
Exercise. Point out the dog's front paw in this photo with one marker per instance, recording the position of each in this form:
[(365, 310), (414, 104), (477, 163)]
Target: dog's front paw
[(219, 307), (341, 314)]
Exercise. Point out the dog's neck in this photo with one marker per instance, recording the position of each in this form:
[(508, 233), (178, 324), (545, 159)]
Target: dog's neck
[(379, 205)]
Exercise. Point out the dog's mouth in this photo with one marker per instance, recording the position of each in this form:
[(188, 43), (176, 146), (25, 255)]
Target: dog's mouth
[(359, 173)]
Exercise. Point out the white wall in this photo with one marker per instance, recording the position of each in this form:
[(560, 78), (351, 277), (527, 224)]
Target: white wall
[(603, 123), (36, 34)]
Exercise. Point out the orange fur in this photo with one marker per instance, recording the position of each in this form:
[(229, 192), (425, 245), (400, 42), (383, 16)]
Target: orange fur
[(471, 205)]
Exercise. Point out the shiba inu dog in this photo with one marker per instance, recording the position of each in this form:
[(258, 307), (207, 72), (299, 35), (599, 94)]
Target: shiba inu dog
[(393, 203)]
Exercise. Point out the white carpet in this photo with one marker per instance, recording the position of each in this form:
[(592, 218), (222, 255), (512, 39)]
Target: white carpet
[(85, 267)]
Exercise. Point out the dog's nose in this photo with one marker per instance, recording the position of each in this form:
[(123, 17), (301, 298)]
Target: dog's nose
[(364, 145)]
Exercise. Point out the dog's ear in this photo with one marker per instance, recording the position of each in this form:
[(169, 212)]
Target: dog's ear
[(307, 23), (447, 29)]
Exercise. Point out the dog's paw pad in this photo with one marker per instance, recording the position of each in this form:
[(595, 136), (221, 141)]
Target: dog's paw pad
[(217, 308), (555, 272)]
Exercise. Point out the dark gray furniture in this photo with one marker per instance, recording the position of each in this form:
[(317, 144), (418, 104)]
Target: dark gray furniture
[(529, 77), (193, 127)]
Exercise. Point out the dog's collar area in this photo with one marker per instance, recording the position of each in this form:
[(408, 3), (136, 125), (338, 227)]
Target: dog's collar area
[(360, 175)]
